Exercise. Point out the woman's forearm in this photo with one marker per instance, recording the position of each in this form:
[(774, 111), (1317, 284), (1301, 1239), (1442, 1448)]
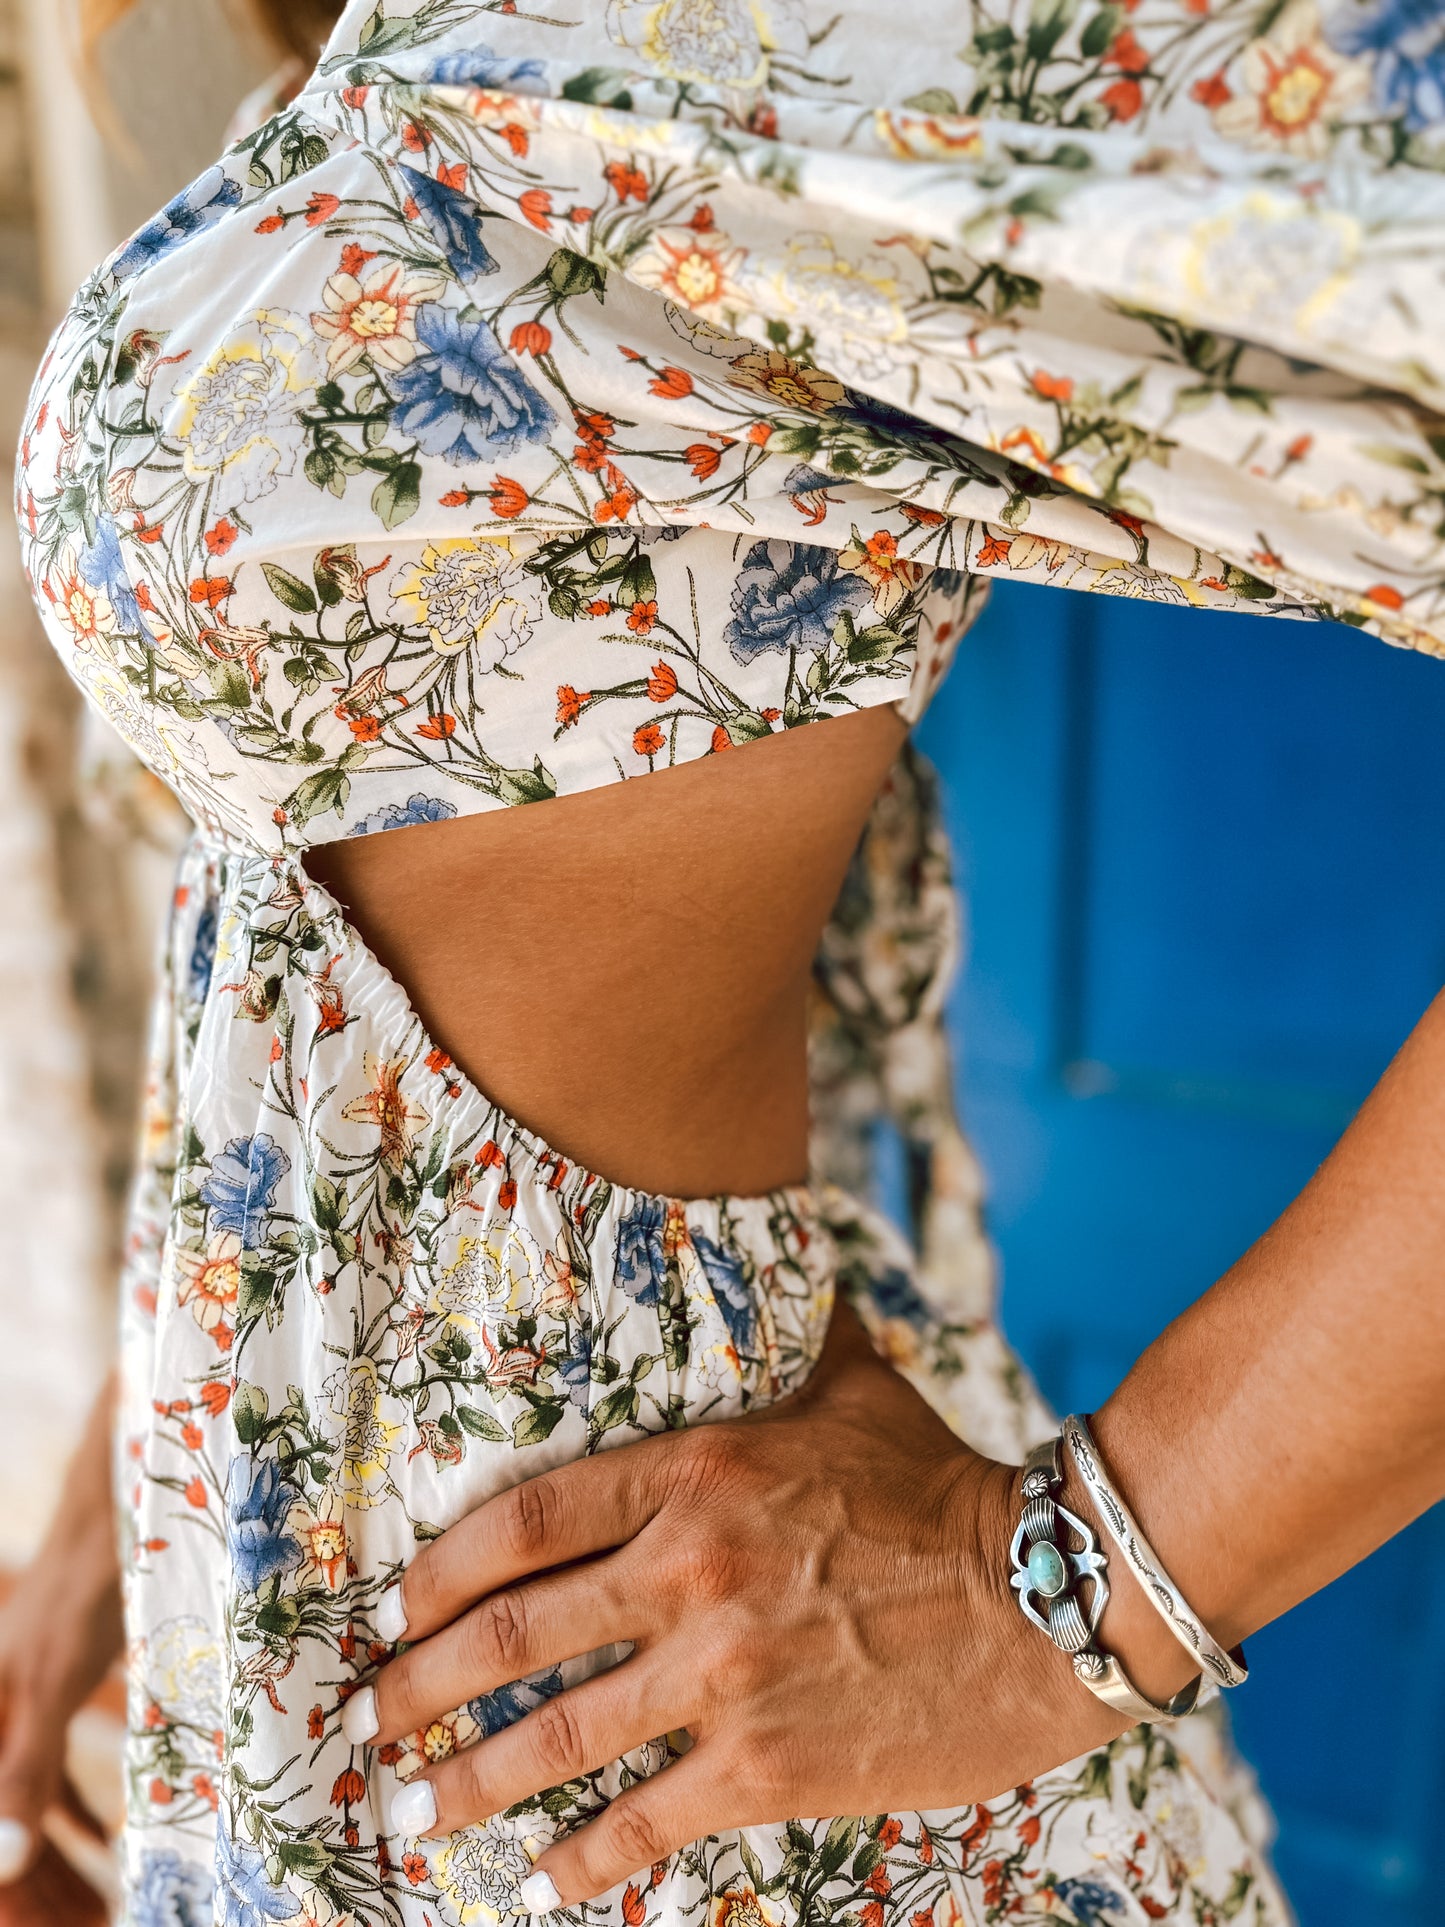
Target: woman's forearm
[(1293, 1418)]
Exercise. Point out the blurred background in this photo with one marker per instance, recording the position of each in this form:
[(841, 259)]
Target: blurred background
[(1203, 862)]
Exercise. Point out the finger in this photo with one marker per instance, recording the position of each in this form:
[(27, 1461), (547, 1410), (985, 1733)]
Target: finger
[(641, 1827), (575, 1733), (513, 1633), (72, 1802), (29, 1780), (569, 1513)]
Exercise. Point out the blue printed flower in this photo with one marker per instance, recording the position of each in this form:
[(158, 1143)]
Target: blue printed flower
[(463, 399), (203, 954), (401, 816), (575, 1370), (1407, 40), (1092, 1903), (788, 595), (242, 1185), (641, 1259), (244, 1896), (258, 1500), (727, 1276), (480, 67), (493, 1711), (896, 1296), (171, 1892), (198, 207), (102, 566), (455, 220)]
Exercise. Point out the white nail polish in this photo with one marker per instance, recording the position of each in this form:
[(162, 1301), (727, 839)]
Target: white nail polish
[(414, 1810), (391, 1616), (16, 1842), (358, 1717), (539, 1893)]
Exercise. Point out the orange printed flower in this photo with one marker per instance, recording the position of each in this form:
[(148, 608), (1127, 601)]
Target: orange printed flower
[(872, 1915), (647, 739), (579, 216), (569, 704), (536, 206), (455, 498), (215, 1397), (320, 208), (454, 176), (516, 137), (720, 740), (641, 617), (662, 683), (161, 1795), (414, 1866), (196, 1494), (436, 729), (672, 384), (634, 1907), (599, 606), (890, 1833), (889, 574), (617, 506), (212, 589), (1387, 597), (507, 1195), (355, 97), (530, 338), (315, 1723), (925, 518), (395, 1115), (1126, 54), (348, 1789), (1124, 99), (759, 433), (626, 181), (993, 554), (272, 224), (366, 729), (354, 257), (1212, 90), (204, 1788), (221, 537), (702, 459), (418, 139), (506, 497), (1052, 387)]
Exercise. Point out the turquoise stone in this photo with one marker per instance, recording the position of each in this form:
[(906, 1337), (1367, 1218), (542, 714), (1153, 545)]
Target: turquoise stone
[(1047, 1573)]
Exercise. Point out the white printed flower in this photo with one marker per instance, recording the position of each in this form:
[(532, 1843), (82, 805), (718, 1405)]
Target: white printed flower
[(726, 43), (1267, 260), (375, 317), (854, 309), (1296, 88), (496, 1272), (320, 1527), (238, 415), (181, 1668), (370, 1439), (468, 593), (478, 1873)]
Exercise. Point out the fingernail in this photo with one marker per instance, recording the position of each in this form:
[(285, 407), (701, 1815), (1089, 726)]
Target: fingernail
[(539, 1893), (358, 1717), (15, 1846), (391, 1617), (414, 1810)]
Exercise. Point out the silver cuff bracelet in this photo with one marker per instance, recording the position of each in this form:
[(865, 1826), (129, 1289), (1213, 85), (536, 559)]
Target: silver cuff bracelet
[(1048, 1572), (1222, 1668)]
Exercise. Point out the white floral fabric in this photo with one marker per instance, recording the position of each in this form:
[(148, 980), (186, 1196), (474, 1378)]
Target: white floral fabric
[(549, 396)]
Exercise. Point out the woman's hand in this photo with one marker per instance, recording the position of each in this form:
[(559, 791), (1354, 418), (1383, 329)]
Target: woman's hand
[(817, 1593), (60, 1630)]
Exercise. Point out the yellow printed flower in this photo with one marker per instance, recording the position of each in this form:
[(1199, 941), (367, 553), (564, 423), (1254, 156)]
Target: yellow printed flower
[(375, 317), (370, 1439), (853, 308), (497, 1271), (1270, 261), (1296, 88), (478, 1873), (698, 269), (210, 1280), (238, 417), (468, 592), (436, 1741), (785, 382), (928, 137), (728, 43), (741, 1907), (395, 1115)]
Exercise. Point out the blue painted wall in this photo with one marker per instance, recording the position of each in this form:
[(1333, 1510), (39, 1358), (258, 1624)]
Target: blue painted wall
[(1204, 862)]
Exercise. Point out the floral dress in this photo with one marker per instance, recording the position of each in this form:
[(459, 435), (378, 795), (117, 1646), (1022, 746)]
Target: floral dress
[(550, 396)]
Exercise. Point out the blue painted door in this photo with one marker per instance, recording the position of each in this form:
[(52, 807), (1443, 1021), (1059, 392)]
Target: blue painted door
[(1204, 863)]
